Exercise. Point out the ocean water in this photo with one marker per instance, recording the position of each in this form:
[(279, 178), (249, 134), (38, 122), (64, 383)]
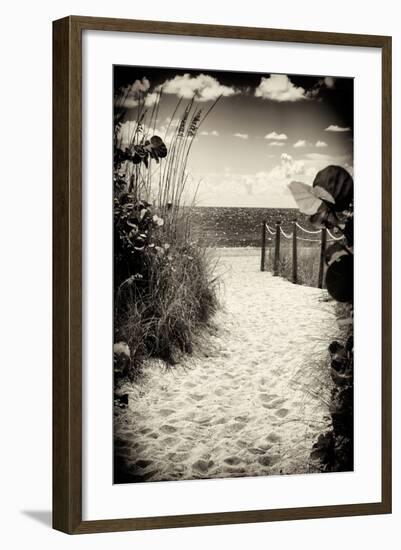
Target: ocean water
[(228, 227)]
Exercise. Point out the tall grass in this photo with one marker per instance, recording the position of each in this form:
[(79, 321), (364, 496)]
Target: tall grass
[(163, 183), (160, 313), (163, 318), (308, 259)]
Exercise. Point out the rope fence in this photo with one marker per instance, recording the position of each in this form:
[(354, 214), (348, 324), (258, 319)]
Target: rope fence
[(318, 231), (308, 230), (323, 235)]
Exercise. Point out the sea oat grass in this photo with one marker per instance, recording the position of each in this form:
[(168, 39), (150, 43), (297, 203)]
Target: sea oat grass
[(308, 258), (162, 316), (164, 283)]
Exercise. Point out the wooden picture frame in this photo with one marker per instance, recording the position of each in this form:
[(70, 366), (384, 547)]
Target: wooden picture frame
[(67, 279)]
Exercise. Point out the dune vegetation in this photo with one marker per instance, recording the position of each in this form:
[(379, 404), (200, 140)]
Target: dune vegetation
[(164, 287)]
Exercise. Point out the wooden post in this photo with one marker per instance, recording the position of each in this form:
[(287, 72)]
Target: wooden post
[(321, 263), (277, 250), (294, 253), (263, 254)]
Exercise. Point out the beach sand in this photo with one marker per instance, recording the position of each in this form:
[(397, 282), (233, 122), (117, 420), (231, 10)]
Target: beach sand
[(252, 402)]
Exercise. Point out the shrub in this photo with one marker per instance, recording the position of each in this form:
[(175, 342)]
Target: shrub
[(161, 313), (164, 290), (332, 207)]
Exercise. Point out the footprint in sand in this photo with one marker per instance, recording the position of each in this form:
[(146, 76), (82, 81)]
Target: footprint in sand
[(267, 460), (139, 448), (241, 418), (267, 397), (166, 412), (167, 429), (232, 460), (148, 475), (274, 438), (204, 421), (278, 402), (143, 463), (145, 431), (202, 466), (275, 404), (236, 427), (256, 451), (178, 457), (196, 396), (236, 471), (179, 468), (170, 441)]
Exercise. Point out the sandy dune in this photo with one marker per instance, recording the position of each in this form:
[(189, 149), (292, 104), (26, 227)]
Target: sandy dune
[(253, 403)]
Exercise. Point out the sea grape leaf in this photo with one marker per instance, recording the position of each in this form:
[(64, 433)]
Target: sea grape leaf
[(338, 182)]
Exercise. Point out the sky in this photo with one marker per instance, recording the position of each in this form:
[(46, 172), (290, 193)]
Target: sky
[(265, 131)]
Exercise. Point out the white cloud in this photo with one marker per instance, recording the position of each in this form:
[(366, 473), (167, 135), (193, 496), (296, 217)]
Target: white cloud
[(320, 144), (329, 81), (320, 160), (275, 135), (203, 87), (241, 136), (276, 144), (265, 188), (139, 90), (142, 85), (335, 128), (150, 99), (278, 87), (233, 189), (301, 143), (128, 128), (318, 156), (214, 133), (289, 167), (126, 132), (317, 161)]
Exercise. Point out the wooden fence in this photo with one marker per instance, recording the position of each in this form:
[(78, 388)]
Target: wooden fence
[(320, 238)]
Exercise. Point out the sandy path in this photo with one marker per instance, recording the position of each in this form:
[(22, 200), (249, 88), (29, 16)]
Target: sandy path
[(254, 403)]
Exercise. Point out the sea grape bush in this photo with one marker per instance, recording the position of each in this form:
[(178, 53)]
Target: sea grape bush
[(135, 232), (337, 213), (334, 449), (330, 205)]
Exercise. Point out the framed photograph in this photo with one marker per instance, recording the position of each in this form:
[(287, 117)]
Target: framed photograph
[(221, 275)]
